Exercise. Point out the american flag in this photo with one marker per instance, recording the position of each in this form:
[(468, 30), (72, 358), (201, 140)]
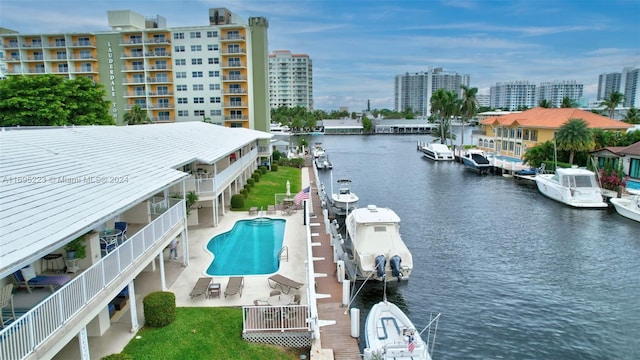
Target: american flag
[(302, 195), (412, 345)]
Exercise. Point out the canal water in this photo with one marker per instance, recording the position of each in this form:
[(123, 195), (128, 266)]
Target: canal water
[(514, 274)]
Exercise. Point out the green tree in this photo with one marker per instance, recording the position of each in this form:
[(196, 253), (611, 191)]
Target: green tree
[(469, 105), (567, 102), (544, 103), (52, 100), (136, 116), (612, 101), (367, 125), (539, 154), (574, 136), (632, 116), (444, 105)]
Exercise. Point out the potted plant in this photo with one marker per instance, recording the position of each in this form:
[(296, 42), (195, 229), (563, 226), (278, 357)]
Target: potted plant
[(76, 249)]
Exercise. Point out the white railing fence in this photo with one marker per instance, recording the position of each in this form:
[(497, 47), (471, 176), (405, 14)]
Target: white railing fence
[(23, 336), (270, 318)]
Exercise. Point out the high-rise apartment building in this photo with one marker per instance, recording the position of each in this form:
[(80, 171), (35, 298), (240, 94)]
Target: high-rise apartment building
[(217, 71), (608, 83), (556, 91), (625, 82), (513, 95), (415, 90), (290, 80), (483, 100)]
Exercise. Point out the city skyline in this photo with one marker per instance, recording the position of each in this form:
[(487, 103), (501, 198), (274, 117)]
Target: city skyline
[(358, 47)]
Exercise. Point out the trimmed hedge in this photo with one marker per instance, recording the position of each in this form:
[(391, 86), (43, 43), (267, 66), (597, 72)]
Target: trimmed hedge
[(256, 177), (274, 167), (251, 182), (159, 308), (237, 201), (247, 187), (263, 169), (244, 193)]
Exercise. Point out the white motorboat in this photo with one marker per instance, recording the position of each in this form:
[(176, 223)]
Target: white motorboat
[(390, 334), (476, 160), (628, 207), (344, 201), (322, 162), (574, 187), (374, 247), (437, 152), (278, 129), (317, 150)]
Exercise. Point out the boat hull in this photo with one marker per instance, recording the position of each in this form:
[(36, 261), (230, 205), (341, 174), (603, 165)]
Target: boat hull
[(629, 207), (472, 164), (588, 197), (388, 332), (437, 152)]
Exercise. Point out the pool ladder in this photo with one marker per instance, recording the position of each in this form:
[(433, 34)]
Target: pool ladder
[(284, 253)]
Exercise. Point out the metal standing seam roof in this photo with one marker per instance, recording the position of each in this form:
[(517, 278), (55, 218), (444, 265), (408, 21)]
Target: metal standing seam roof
[(57, 183)]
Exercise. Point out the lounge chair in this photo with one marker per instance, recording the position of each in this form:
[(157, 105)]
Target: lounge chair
[(6, 299), (271, 209), (284, 282), (26, 277), (201, 287), (234, 286), (259, 302)]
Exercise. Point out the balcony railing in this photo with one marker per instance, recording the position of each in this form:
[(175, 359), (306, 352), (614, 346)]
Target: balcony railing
[(23, 336), (232, 51), (232, 38), (234, 78), (234, 64)]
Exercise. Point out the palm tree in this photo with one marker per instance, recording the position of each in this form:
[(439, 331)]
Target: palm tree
[(136, 116), (469, 105), (574, 136), (612, 101), (632, 116), (568, 102), (443, 105), (544, 103)]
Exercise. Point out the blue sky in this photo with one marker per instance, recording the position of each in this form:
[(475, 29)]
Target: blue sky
[(357, 47)]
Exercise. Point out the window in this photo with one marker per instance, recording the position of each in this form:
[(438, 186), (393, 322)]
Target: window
[(196, 74), (198, 112), (84, 41), (85, 54), (179, 48), (163, 115), (212, 47), (235, 101), (86, 67), (181, 75), (181, 62), (233, 48), (214, 86), (161, 64), (212, 34), (196, 61), (183, 112), (181, 87), (63, 68), (196, 47), (195, 34), (159, 38), (214, 73), (214, 99), (138, 78), (216, 112), (137, 65), (235, 75), (60, 42), (162, 90), (36, 42), (61, 55), (162, 77), (198, 100), (38, 56), (178, 35), (198, 87), (234, 35), (183, 101)]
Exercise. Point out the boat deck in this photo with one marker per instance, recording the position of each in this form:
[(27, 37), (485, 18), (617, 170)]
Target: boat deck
[(338, 336)]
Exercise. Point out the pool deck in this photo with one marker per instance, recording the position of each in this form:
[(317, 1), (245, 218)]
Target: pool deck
[(180, 280)]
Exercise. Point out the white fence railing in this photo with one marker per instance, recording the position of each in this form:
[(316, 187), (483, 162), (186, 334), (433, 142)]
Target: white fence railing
[(281, 318), (23, 336)]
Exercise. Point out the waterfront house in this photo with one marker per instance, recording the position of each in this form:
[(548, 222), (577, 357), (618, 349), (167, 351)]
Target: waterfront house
[(62, 183), (629, 156), (511, 135)]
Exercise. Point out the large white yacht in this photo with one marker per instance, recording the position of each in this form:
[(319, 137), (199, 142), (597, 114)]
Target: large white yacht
[(574, 187)]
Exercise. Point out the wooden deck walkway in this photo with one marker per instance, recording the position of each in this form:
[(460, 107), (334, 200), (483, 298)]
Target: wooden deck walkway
[(338, 336)]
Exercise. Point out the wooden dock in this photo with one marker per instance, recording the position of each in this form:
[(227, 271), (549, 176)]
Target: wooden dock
[(334, 337)]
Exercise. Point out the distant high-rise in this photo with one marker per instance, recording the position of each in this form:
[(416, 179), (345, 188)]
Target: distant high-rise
[(290, 80), (556, 91), (625, 82), (483, 100), (608, 83), (513, 95), (217, 71), (415, 90)]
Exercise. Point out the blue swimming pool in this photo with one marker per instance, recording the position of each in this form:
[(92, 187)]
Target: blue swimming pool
[(507, 158), (251, 247), (633, 185)]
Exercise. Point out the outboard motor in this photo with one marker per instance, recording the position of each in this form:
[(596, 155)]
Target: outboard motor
[(395, 262), (381, 263)]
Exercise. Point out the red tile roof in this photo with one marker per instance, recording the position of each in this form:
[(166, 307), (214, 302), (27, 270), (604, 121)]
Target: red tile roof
[(554, 119)]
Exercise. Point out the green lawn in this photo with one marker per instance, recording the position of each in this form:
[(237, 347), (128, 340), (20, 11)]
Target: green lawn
[(273, 182), (203, 333)]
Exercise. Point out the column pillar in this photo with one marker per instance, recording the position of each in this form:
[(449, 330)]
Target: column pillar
[(133, 309), (83, 342)]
